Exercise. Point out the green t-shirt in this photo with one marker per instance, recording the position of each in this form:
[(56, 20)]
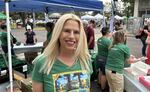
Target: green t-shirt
[(62, 78), (103, 44), (3, 38), (117, 56)]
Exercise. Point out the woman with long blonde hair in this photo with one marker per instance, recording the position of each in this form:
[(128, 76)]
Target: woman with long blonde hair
[(65, 62)]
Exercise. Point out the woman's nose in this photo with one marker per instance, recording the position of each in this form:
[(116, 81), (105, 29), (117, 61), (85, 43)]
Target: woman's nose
[(71, 34)]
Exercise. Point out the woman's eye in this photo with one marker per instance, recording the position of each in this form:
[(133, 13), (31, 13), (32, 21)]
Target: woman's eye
[(76, 32), (67, 30)]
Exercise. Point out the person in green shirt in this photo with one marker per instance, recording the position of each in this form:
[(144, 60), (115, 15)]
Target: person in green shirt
[(118, 54), (65, 64), (49, 26), (3, 39), (103, 44)]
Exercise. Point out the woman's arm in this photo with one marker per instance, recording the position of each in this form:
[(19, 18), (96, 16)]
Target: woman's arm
[(35, 39), (148, 39), (37, 86), (131, 59), (146, 31), (25, 39)]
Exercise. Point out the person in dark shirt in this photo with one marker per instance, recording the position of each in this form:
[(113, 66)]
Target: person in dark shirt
[(30, 36), (90, 35), (144, 34), (30, 39)]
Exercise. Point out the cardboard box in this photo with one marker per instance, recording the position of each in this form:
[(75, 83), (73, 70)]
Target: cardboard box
[(26, 85)]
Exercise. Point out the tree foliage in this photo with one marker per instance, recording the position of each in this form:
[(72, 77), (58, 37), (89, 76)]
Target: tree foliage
[(129, 7), (127, 0)]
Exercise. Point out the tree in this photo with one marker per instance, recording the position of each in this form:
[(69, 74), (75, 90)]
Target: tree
[(129, 7)]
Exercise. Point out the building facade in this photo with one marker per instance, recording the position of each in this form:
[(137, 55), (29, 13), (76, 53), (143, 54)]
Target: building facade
[(141, 7)]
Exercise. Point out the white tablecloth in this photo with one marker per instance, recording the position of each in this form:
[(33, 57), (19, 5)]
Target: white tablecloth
[(28, 48), (132, 84)]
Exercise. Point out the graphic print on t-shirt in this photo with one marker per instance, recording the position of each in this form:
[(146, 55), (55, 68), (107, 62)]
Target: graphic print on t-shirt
[(75, 81)]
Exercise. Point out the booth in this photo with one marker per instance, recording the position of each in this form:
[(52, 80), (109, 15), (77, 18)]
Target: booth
[(22, 48), (17, 64), (44, 6), (134, 75)]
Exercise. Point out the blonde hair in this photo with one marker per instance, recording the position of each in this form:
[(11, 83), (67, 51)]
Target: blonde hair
[(118, 37), (52, 50)]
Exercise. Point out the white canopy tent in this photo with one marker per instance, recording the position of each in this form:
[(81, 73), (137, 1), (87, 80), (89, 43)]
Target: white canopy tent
[(118, 17), (87, 17), (99, 16), (40, 3), (54, 15)]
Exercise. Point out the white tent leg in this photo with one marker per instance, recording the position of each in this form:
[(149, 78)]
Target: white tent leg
[(46, 17), (33, 13), (9, 46)]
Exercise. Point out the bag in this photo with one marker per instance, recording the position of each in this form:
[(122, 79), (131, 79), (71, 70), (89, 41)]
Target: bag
[(139, 34), (14, 40)]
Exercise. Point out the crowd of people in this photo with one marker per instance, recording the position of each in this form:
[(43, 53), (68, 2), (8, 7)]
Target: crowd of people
[(65, 62), (68, 54)]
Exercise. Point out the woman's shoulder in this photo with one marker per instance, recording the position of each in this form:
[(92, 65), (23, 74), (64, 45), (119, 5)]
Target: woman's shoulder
[(102, 39), (40, 59), (108, 40), (26, 33), (33, 32), (122, 46), (99, 39)]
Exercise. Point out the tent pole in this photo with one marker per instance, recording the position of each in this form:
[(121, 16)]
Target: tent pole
[(46, 14), (33, 13), (112, 17), (46, 17), (104, 21), (9, 46)]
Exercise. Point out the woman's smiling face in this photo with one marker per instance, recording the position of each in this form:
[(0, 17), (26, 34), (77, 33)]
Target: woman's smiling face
[(69, 36)]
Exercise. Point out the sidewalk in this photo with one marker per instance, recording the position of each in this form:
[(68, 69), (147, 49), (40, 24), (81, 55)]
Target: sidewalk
[(130, 34)]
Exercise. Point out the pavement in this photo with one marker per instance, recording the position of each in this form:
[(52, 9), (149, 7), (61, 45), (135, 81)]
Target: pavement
[(97, 31), (134, 44)]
